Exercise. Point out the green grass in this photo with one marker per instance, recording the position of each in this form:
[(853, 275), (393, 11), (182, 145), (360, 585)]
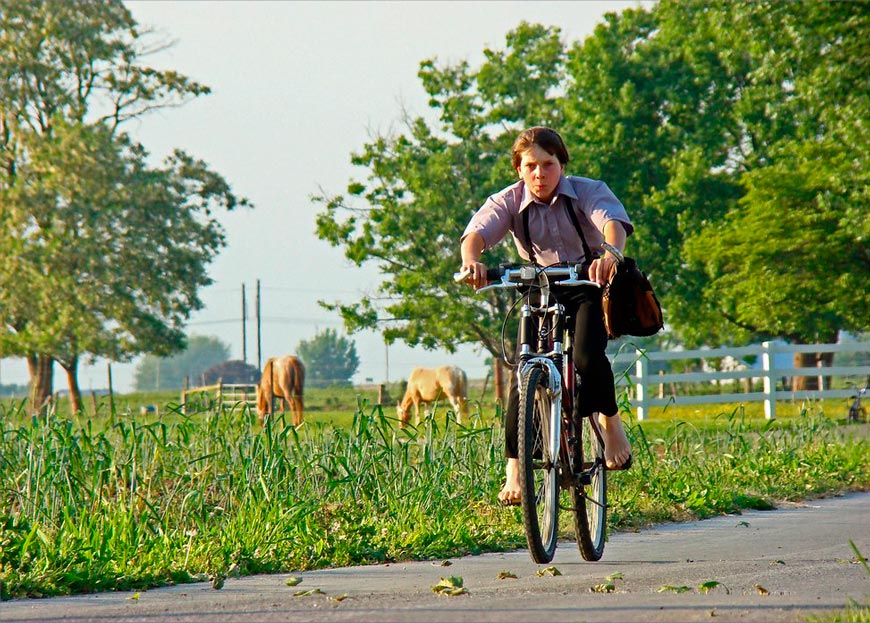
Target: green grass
[(124, 501)]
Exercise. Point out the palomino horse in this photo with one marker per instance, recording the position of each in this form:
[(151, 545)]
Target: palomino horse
[(426, 385), (283, 377)]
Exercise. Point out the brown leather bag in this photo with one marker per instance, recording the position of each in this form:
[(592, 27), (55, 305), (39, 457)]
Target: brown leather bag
[(630, 305)]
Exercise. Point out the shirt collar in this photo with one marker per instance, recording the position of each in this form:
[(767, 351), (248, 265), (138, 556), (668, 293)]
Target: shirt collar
[(565, 187)]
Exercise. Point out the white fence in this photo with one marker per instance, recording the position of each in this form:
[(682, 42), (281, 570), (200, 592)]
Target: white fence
[(644, 383)]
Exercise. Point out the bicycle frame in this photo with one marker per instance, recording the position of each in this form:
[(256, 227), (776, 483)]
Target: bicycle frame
[(555, 452), (549, 353)]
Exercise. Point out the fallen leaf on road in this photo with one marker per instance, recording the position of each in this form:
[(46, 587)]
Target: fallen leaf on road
[(608, 587), (708, 586), (673, 589), (549, 571), (503, 575), (761, 590), (313, 591), (450, 586), (293, 581)]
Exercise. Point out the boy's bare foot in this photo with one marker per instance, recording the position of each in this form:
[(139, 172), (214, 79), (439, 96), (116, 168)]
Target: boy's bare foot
[(617, 448), (510, 493)]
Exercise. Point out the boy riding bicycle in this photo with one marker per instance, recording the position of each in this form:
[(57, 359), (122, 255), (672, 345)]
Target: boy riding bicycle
[(555, 218)]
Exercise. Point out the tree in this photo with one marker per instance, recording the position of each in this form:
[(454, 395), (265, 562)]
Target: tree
[(797, 157), (329, 359), (189, 366), (232, 371), (103, 254), (718, 138), (424, 185)]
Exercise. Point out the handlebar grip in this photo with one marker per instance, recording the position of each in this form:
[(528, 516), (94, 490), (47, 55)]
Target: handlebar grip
[(492, 274)]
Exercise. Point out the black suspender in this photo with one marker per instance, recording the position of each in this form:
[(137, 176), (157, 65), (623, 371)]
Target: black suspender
[(569, 208)]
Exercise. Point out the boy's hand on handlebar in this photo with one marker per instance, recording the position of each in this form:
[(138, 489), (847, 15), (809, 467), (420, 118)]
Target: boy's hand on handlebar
[(601, 268), (476, 274)]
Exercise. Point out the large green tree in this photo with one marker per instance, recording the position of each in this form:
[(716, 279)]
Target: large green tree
[(102, 253), (329, 358), (736, 133), (424, 184), (721, 126)]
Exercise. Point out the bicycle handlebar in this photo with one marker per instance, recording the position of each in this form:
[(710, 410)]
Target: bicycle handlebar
[(506, 277)]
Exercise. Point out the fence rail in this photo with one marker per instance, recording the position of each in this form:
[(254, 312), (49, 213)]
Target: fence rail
[(224, 392), (643, 382)]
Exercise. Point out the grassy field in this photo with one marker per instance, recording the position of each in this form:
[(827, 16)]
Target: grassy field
[(124, 500)]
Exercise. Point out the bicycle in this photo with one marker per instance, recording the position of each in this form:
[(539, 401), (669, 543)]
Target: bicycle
[(857, 412), (555, 454)]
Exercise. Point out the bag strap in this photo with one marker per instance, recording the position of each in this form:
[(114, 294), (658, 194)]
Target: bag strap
[(528, 237), (569, 208)]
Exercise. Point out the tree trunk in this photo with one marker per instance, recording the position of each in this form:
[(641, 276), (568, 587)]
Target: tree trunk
[(816, 361), (41, 369), (498, 381), (75, 395)]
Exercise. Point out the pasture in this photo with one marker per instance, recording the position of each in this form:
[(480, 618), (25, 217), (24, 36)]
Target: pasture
[(129, 501)]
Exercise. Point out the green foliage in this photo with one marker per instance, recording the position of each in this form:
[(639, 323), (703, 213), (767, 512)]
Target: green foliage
[(159, 373), (734, 132), (103, 255), (424, 185), (330, 359)]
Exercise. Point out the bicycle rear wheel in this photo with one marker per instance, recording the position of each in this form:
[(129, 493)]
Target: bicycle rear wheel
[(538, 478), (589, 497)]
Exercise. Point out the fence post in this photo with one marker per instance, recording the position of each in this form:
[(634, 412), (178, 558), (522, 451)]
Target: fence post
[(641, 369), (769, 381)]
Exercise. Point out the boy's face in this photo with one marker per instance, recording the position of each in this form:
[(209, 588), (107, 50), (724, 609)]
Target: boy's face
[(541, 172)]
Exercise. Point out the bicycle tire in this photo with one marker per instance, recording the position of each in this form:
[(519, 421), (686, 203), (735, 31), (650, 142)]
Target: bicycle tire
[(589, 501), (538, 465)]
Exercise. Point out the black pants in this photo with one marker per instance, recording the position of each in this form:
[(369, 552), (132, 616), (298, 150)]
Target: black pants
[(591, 365)]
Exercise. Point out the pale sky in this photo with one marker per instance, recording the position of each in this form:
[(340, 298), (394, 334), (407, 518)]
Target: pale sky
[(296, 88)]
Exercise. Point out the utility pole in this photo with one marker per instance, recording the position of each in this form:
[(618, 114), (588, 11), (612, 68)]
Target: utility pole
[(387, 362), (244, 325), (259, 357)]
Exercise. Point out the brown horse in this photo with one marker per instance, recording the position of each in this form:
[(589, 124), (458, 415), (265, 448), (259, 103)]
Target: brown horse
[(283, 377)]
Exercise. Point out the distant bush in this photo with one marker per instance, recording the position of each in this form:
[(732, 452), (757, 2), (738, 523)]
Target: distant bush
[(232, 371)]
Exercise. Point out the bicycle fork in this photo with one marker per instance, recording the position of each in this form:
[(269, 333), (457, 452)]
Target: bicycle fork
[(551, 361)]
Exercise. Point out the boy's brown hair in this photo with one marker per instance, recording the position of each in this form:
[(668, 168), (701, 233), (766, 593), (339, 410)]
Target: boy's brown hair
[(545, 138)]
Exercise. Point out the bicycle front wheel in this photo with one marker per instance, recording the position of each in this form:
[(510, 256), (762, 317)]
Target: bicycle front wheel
[(537, 456), (589, 495)]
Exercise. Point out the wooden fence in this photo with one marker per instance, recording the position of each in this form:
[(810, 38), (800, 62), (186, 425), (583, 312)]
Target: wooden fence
[(633, 369), (222, 393)]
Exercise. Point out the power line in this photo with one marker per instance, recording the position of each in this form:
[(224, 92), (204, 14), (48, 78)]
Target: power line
[(274, 319)]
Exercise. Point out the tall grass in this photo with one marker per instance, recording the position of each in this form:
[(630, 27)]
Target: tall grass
[(136, 505), (122, 503)]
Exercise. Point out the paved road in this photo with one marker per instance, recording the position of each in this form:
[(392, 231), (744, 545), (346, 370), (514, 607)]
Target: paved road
[(799, 555)]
